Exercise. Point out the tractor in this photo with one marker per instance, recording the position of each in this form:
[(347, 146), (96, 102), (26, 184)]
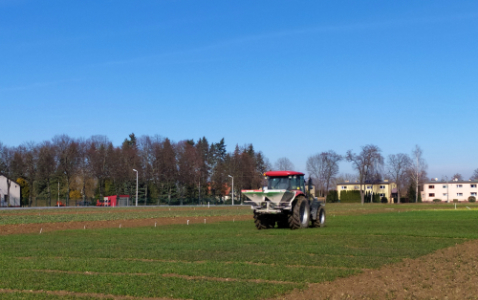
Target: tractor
[(284, 200)]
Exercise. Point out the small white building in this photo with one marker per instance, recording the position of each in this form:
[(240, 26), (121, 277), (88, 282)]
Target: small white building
[(449, 191), (9, 196)]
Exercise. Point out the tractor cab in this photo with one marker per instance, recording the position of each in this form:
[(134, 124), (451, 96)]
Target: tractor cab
[(284, 180)]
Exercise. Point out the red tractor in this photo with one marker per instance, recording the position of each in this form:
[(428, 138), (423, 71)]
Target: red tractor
[(284, 201)]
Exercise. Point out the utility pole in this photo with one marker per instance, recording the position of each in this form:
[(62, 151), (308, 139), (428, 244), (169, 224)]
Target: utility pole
[(232, 191)]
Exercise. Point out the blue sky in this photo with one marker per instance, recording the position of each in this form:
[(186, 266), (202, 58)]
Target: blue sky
[(292, 77)]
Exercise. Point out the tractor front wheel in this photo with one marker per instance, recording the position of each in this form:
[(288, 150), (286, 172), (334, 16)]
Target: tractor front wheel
[(299, 218), (320, 220)]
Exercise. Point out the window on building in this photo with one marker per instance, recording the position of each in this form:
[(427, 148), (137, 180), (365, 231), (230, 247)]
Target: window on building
[(431, 195), (459, 194), (356, 187), (344, 187), (473, 194), (459, 186), (382, 195), (431, 186), (473, 186), (369, 187), (382, 187), (444, 194), (444, 186)]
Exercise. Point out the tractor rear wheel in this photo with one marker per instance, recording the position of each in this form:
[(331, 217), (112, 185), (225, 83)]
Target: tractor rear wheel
[(320, 220), (299, 218), (263, 221)]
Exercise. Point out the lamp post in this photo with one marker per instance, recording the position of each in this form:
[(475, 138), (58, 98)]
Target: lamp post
[(136, 186), (232, 191)]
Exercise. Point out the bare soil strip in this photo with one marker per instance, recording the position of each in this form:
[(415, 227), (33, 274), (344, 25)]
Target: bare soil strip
[(86, 295), (170, 275), (46, 227), (450, 273)]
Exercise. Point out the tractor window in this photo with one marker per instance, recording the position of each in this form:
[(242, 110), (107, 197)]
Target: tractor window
[(278, 183), (295, 182), (302, 184)]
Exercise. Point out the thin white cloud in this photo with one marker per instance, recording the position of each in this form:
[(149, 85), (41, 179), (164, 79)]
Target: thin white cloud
[(295, 32)]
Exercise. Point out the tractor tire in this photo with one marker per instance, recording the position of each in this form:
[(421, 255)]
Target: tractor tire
[(283, 222), (300, 216), (263, 222), (320, 220)]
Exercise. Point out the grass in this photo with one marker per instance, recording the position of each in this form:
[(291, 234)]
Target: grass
[(259, 264), (53, 215)]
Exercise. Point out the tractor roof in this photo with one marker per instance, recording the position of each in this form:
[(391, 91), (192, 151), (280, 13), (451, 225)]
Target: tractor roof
[(282, 173)]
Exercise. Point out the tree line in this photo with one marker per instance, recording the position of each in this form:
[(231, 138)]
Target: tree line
[(408, 171), (93, 168)]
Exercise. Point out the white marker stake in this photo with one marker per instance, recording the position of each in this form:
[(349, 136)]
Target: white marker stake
[(120, 226), (232, 220), (41, 230), (455, 205), (84, 227), (208, 205), (154, 224), (188, 222), (204, 221), (468, 207)]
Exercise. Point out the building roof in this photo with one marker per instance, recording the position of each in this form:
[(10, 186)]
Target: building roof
[(358, 183), (13, 181), (450, 182), (282, 173)]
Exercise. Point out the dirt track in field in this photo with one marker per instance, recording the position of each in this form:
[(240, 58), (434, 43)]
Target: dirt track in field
[(46, 227), (450, 273)]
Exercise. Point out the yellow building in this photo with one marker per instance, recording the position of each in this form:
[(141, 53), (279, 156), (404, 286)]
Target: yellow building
[(383, 188)]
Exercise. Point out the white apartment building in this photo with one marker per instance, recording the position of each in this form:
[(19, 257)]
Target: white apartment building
[(449, 191), (9, 197)]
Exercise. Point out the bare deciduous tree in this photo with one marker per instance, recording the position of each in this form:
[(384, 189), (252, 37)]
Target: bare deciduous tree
[(417, 168), (283, 164), (67, 156), (324, 167), (46, 165), (346, 177), (475, 175), (398, 165), (457, 177), (366, 163)]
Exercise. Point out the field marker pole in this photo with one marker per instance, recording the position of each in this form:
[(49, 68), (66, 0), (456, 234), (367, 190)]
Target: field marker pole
[(136, 186), (188, 222), (41, 230)]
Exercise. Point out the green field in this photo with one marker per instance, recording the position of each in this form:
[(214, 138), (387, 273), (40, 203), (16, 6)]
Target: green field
[(108, 214), (194, 261), (53, 215)]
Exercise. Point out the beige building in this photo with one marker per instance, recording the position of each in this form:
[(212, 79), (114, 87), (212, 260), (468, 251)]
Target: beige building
[(449, 191), (383, 188)]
